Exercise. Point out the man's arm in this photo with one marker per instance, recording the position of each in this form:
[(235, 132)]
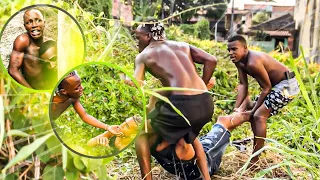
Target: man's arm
[(201, 158), (139, 71), (259, 72), (91, 120), (242, 87), (16, 60), (201, 57)]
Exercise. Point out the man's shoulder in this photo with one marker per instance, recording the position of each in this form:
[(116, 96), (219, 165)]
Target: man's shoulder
[(22, 40), (255, 56), (179, 43)]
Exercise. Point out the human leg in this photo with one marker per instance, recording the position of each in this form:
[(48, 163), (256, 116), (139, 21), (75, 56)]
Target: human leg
[(142, 145), (259, 128), (214, 144), (247, 104), (232, 121)]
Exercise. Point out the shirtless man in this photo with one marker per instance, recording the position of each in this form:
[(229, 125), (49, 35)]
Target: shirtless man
[(278, 84), (173, 64), (25, 51), (68, 92)]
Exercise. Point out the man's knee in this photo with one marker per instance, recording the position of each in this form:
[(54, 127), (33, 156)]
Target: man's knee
[(259, 118), (224, 120)]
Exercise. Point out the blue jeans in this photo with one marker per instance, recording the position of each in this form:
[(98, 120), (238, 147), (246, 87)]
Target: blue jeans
[(214, 144)]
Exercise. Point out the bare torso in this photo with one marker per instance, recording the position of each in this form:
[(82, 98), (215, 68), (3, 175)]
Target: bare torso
[(274, 68), (59, 105), (171, 62), (32, 67)]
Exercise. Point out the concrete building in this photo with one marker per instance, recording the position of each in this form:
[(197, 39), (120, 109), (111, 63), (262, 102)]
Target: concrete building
[(307, 17)]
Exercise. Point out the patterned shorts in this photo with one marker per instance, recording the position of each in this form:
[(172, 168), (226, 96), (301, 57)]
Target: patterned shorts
[(280, 96)]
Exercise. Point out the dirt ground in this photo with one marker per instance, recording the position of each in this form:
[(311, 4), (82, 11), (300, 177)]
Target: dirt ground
[(230, 168), (15, 27)]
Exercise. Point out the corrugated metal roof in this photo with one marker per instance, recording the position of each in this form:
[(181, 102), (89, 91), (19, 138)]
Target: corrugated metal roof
[(278, 33)]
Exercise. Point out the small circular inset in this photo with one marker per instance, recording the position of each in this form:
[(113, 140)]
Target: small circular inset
[(39, 43), (94, 113)]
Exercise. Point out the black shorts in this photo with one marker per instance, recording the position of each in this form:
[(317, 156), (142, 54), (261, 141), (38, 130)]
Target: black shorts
[(167, 123)]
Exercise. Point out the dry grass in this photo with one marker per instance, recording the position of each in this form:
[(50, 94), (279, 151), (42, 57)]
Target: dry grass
[(230, 167)]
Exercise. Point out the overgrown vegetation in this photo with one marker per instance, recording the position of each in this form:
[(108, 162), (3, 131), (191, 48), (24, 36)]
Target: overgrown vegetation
[(105, 97), (293, 135)]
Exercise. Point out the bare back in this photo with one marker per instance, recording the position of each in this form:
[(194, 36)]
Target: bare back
[(59, 105), (171, 62)]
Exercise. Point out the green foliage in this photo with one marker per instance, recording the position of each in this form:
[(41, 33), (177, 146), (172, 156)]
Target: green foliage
[(106, 98), (97, 7), (199, 30), (26, 151), (260, 17), (294, 133), (145, 9)]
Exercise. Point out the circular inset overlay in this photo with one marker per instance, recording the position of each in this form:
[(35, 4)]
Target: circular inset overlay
[(94, 112), (39, 44)]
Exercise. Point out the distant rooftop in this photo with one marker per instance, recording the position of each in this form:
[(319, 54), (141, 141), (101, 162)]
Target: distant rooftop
[(240, 3)]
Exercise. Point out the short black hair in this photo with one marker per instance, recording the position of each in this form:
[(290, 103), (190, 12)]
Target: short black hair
[(238, 38), (46, 45), (64, 82)]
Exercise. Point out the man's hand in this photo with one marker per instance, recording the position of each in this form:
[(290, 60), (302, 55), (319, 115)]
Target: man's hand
[(211, 83), (98, 141), (129, 82), (115, 130), (238, 110)]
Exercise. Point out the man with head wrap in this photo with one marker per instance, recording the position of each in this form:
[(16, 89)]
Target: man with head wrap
[(173, 64)]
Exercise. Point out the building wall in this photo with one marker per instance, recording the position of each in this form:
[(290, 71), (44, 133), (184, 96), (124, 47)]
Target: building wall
[(307, 22), (281, 10), (122, 11)]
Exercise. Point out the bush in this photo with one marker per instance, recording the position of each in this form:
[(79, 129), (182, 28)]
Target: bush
[(199, 30)]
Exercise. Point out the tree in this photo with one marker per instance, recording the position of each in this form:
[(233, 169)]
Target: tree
[(260, 17)]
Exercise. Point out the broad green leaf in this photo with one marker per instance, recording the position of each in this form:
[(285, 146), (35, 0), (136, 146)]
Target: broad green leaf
[(72, 174), (53, 172), (15, 132), (107, 160), (13, 176), (26, 151), (43, 153), (92, 164), (102, 172), (78, 163), (54, 145)]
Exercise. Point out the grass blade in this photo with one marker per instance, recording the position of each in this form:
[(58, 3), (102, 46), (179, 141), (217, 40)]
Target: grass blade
[(26, 151), (165, 99), (14, 132), (303, 89)]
